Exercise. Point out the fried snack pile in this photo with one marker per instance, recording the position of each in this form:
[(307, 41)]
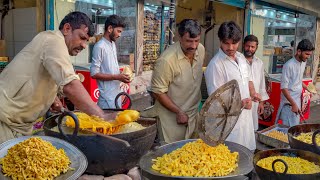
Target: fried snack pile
[(130, 127), (281, 136), (97, 124), (197, 159), (296, 165), (307, 138), (34, 158)]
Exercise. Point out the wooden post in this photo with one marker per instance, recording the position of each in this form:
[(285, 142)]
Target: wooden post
[(139, 37), (316, 54), (40, 6)]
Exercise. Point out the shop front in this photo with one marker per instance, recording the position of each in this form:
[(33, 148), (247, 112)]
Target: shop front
[(141, 42), (279, 31)]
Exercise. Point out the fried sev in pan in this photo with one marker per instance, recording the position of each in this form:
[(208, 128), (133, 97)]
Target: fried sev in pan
[(34, 158)]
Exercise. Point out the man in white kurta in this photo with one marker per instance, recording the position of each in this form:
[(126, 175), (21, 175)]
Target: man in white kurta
[(257, 70), (105, 67), (224, 68), (104, 60), (291, 84)]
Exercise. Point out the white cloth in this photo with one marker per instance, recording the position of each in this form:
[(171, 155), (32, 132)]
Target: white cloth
[(222, 69), (104, 60), (291, 79), (258, 79)]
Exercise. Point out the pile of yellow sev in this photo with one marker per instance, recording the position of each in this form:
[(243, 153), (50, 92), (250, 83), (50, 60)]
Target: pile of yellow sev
[(197, 159), (307, 137), (34, 158), (98, 124), (296, 165)]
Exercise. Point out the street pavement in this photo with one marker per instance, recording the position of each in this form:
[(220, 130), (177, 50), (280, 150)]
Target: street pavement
[(314, 113)]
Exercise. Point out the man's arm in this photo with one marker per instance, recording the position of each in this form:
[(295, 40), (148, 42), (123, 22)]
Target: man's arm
[(110, 77), (305, 86), (165, 100), (162, 77), (81, 99), (286, 94), (285, 81), (256, 97)]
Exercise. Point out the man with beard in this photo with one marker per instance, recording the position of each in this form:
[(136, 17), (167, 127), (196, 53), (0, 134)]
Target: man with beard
[(176, 82), (291, 84), (30, 82), (257, 70), (104, 66), (229, 64)]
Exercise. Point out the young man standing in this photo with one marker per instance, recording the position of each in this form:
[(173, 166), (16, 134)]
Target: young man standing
[(257, 70), (104, 67), (229, 64), (291, 84)]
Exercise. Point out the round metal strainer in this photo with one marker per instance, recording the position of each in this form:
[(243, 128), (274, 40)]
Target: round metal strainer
[(220, 113)]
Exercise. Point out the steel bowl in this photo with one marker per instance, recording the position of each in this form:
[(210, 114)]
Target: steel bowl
[(78, 160)]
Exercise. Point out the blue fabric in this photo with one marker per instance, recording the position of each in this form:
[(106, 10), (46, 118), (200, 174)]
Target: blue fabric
[(288, 117)]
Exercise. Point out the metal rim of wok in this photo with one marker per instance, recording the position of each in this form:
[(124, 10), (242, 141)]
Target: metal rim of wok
[(78, 160), (220, 113), (244, 162), (267, 174), (304, 128)]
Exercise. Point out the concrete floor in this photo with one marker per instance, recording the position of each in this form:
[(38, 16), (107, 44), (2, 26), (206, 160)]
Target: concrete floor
[(314, 114)]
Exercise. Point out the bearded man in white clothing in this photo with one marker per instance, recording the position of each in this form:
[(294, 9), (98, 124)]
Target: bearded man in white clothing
[(257, 70)]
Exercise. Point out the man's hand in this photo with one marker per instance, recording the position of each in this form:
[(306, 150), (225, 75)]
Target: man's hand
[(123, 78), (256, 97), (110, 116), (247, 103), (56, 105), (182, 118), (295, 109), (261, 108)]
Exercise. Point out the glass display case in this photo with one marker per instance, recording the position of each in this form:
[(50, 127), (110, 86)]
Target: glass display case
[(279, 31), (100, 10)]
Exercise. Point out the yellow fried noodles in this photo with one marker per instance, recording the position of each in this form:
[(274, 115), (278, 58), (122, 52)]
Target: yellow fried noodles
[(197, 159), (296, 165), (36, 159)]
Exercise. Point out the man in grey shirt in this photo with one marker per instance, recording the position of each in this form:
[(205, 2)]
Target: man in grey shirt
[(291, 84), (104, 67)]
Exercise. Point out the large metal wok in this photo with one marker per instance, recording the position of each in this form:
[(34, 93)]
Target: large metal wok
[(244, 163), (217, 118), (265, 174), (106, 156), (304, 128)]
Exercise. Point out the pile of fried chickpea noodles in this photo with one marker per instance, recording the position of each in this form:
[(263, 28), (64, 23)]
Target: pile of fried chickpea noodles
[(98, 124), (296, 165), (307, 138), (197, 159), (36, 159)]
